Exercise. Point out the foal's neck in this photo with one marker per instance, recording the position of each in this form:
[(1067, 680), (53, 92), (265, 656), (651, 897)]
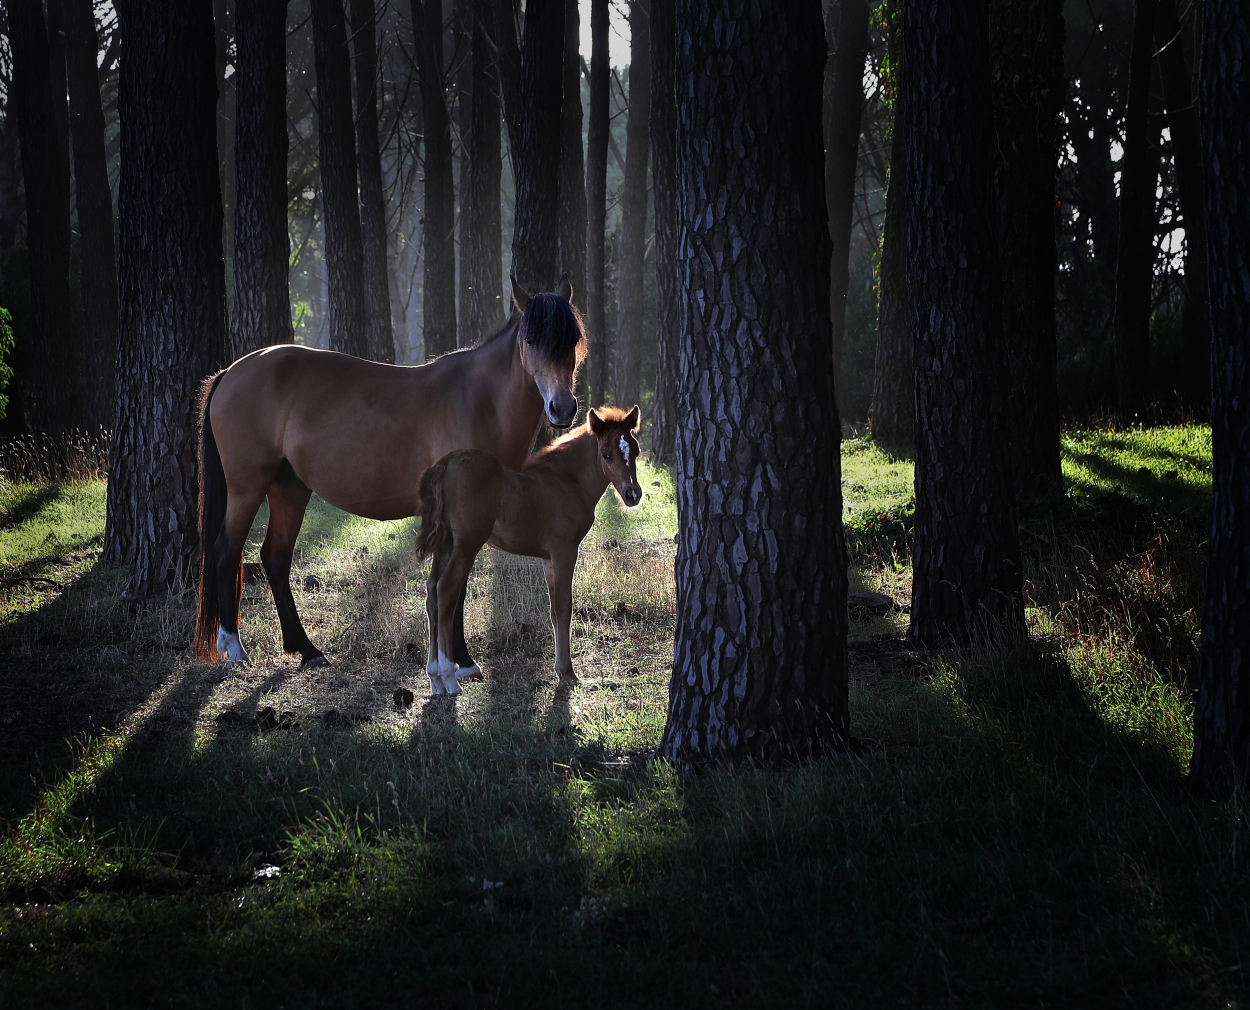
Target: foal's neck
[(574, 459)]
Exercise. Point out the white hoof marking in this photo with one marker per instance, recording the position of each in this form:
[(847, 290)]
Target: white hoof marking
[(230, 648), (464, 673)]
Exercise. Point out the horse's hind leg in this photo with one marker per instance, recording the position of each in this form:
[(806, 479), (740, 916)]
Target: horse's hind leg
[(227, 556), (288, 498)]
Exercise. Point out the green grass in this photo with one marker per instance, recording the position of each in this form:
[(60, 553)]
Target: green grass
[(1014, 833)]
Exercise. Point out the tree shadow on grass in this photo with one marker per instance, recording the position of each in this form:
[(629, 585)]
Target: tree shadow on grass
[(29, 501)]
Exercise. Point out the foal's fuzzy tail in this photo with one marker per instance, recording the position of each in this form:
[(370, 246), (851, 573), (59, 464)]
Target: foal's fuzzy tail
[(212, 515), (433, 528)]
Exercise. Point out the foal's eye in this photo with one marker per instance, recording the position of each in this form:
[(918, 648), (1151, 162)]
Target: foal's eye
[(607, 455)]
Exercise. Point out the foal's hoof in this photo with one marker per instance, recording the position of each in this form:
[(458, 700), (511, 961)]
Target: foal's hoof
[(465, 674), (314, 662)]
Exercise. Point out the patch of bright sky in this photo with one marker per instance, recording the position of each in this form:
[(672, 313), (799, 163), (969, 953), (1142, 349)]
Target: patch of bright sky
[(618, 31)]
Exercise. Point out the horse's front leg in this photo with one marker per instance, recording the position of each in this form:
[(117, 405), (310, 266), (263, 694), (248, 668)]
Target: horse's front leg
[(560, 587)]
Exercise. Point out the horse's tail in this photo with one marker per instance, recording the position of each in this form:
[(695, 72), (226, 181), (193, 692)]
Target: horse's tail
[(433, 528), (212, 516)]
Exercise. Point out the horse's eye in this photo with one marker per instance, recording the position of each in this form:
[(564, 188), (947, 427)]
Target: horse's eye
[(607, 455)]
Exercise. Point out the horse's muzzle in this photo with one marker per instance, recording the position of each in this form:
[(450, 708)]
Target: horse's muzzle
[(561, 412)]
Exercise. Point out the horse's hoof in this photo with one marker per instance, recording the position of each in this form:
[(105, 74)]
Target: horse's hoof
[(569, 679), (465, 674), (451, 685), (436, 686), (314, 662)]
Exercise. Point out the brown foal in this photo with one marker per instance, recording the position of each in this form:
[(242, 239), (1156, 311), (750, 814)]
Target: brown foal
[(286, 421), (469, 498)]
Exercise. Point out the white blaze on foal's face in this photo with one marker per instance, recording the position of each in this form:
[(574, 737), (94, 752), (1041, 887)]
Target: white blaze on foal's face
[(625, 449)]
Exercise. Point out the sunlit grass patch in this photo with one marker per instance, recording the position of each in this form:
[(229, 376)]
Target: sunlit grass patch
[(1165, 467)]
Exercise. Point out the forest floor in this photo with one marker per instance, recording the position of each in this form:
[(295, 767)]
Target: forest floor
[(1014, 830)]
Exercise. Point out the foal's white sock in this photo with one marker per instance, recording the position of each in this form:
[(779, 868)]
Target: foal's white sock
[(229, 646)]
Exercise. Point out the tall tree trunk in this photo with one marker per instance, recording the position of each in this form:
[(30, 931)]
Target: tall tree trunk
[(462, 31), (664, 197), (535, 240), (223, 24), (842, 155), (262, 248), (507, 48), (966, 559), (1187, 164), (486, 308), (1221, 757), (172, 285), (94, 199), (759, 668), (629, 276), (45, 169), (1026, 53), (597, 200), (1133, 268), (438, 307), (892, 418), (380, 337), (572, 257), (344, 253)]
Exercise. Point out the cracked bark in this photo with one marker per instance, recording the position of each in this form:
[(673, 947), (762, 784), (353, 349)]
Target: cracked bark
[(759, 669), (596, 201), (262, 249), (966, 558), (171, 277)]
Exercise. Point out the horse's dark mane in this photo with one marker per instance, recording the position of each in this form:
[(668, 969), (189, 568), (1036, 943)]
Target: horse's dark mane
[(553, 327)]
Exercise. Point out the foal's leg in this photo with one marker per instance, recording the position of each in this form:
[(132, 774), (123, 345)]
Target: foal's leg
[(431, 612), (560, 587), (288, 498), (450, 584), (227, 556), (468, 669)]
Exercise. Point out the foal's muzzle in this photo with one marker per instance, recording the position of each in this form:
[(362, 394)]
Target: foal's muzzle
[(631, 494)]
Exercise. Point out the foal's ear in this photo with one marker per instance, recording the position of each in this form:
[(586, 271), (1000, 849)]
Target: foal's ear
[(597, 423), (565, 288), (519, 295), (632, 418)]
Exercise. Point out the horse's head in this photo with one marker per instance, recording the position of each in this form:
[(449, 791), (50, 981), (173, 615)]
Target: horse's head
[(618, 450), (552, 343)]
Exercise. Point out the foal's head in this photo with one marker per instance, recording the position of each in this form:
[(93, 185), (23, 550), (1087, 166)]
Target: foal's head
[(618, 450), (552, 341)]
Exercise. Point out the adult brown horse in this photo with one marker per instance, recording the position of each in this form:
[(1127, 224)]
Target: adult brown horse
[(286, 421)]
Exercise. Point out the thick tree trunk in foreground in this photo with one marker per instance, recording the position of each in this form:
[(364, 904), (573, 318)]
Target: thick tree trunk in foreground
[(536, 239), (438, 317), (94, 199), (486, 308), (1222, 717), (1026, 52), (842, 154), (1131, 320), (172, 286), (966, 559), (759, 668), (572, 256), (1187, 165), (344, 253), (597, 201), (262, 247), (45, 171), (664, 196), (630, 294), (892, 418), (380, 338)]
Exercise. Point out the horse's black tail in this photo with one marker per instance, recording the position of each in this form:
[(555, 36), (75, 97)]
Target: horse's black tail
[(433, 528), (212, 515)]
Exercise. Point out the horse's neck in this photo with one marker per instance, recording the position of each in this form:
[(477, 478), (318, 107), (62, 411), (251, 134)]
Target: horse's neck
[(518, 406), (576, 461)]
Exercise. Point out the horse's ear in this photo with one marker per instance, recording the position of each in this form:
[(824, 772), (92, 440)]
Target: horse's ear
[(597, 424), (565, 288), (519, 295), (632, 418)]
